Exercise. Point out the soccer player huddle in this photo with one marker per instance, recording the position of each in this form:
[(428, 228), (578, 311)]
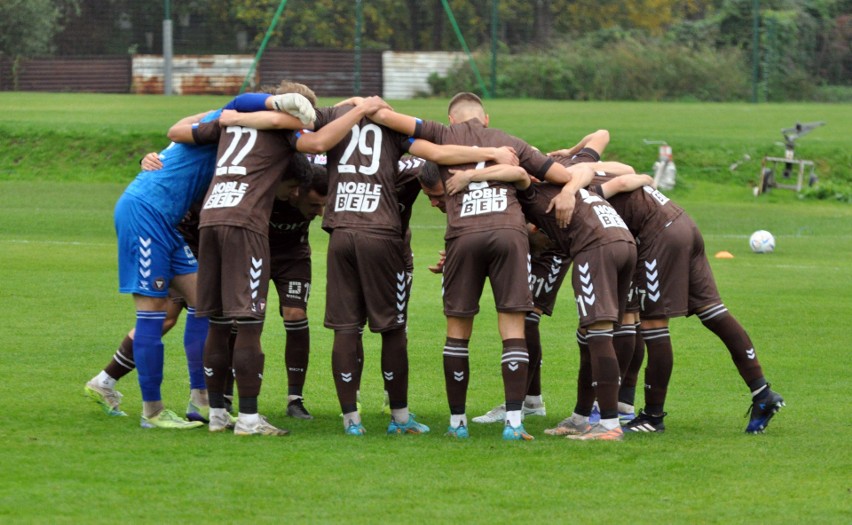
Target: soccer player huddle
[(226, 208)]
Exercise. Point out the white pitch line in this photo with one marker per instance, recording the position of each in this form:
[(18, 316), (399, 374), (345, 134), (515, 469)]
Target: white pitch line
[(59, 243)]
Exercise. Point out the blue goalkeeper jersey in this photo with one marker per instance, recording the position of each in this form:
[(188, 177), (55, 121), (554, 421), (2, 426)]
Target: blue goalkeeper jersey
[(185, 176)]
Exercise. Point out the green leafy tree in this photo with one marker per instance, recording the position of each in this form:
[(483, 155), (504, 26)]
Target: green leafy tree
[(27, 27)]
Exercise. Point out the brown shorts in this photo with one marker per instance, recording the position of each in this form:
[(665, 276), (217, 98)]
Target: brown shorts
[(674, 277), (548, 271), (502, 256), (601, 278), (234, 282), (634, 295), (366, 280), (292, 280)]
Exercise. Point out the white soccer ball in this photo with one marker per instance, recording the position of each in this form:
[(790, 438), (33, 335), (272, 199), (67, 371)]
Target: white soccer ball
[(762, 241)]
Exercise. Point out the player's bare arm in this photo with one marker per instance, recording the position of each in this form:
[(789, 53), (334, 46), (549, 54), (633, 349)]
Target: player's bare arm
[(355, 101), (449, 155), (336, 130), (405, 124), (181, 131), (264, 120), (499, 172), (563, 204), (611, 167), (597, 141), (626, 183)]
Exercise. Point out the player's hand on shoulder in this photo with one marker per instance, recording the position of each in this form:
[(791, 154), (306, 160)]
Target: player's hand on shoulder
[(506, 155), (373, 104), (151, 162), (458, 181), (563, 206), (229, 117)]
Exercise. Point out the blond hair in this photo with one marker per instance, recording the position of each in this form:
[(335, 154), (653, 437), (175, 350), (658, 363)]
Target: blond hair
[(287, 86)]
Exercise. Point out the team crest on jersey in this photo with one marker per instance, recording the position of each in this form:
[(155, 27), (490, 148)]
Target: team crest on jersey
[(159, 284), (480, 199)]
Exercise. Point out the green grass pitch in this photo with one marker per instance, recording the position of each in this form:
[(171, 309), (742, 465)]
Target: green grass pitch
[(64, 461)]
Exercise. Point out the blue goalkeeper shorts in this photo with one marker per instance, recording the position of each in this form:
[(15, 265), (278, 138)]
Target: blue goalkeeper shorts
[(150, 250)]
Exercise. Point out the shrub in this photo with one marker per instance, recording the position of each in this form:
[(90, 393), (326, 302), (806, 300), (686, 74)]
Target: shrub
[(624, 68)]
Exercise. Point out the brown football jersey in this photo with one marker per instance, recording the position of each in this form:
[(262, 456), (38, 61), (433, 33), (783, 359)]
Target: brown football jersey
[(483, 206), (646, 211), (593, 223), (249, 165), (288, 232), (584, 155), (362, 176)]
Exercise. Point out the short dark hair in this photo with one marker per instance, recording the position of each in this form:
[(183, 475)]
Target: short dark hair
[(429, 174), (298, 168), (319, 180)]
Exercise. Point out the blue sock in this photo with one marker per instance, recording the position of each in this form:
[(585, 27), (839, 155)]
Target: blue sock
[(148, 353), (194, 336)]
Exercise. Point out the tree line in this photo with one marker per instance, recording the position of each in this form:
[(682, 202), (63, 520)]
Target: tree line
[(808, 40)]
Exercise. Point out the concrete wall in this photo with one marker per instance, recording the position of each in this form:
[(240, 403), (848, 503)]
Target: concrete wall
[(405, 74), (192, 74), (330, 72)]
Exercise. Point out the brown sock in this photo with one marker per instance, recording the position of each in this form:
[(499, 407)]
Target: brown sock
[(605, 373), (296, 353), (719, 321), (533, 337), (344, 366), (122, 361), (456, 373), (395, 367), (248, 359), (585, 389), (217, 362), (658, 371), (514, 365), (623, 340)]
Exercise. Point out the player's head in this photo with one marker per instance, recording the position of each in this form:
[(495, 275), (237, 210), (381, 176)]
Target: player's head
[(268, 89), (465, 106), (310, 199), (287, 86), (432, 185), (297, 172)]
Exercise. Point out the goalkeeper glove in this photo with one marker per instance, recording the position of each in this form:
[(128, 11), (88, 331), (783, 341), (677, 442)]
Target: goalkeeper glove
[(296, 105)]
